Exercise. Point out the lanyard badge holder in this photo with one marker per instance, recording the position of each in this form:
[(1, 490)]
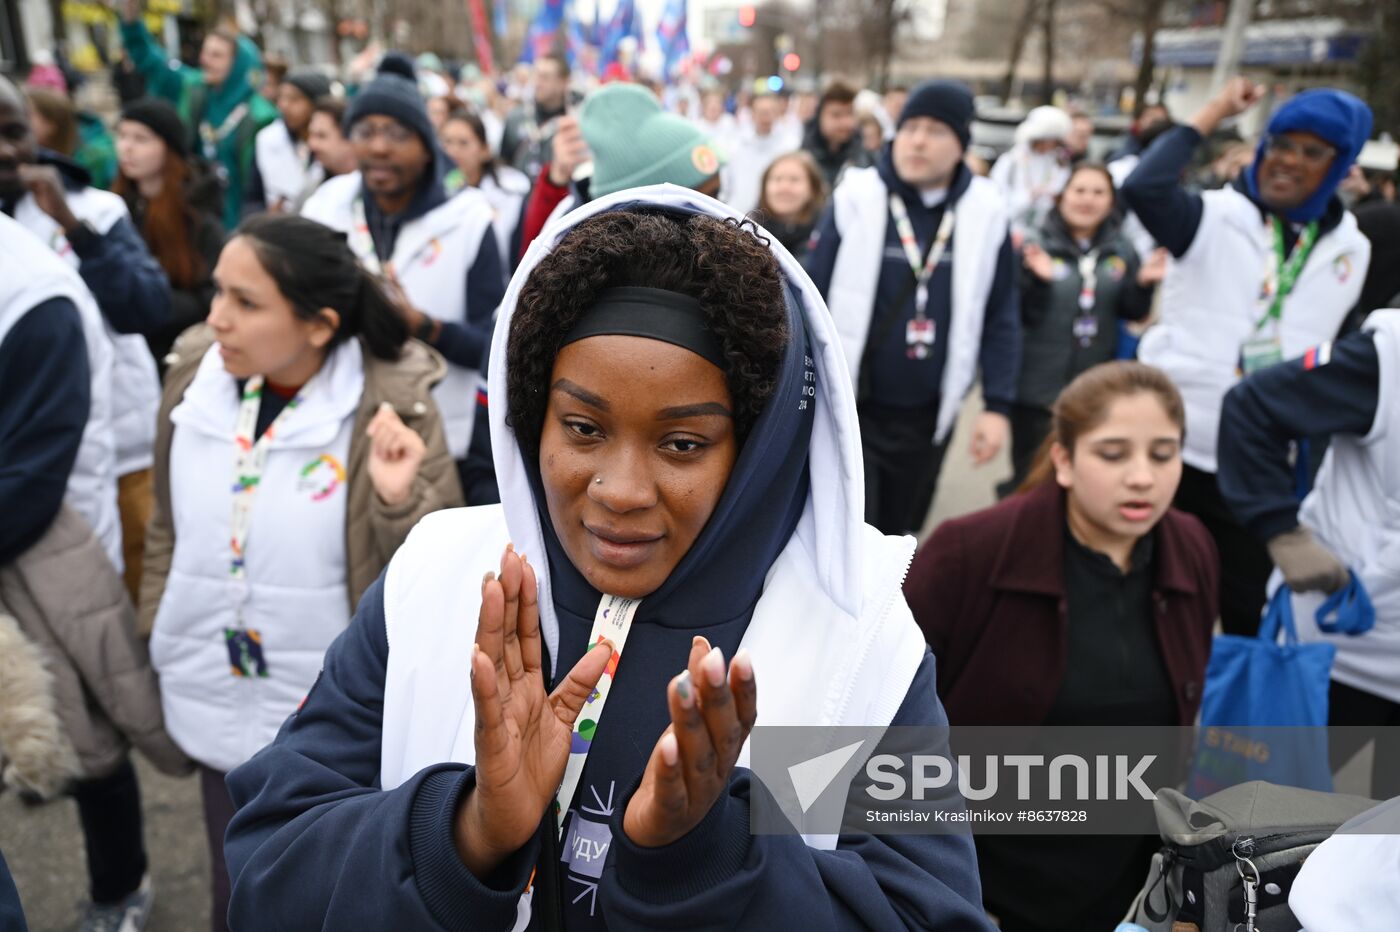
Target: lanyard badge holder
[(1086, 324), (921, 333), (1280, 275)]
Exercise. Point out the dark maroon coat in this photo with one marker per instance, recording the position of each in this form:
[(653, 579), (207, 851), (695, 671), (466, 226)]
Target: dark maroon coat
[(988, 591)]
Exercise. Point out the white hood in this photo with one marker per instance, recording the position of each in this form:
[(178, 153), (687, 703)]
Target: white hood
[(831, 528)]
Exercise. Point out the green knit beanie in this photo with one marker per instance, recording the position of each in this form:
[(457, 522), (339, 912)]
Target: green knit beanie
[(635, 143)]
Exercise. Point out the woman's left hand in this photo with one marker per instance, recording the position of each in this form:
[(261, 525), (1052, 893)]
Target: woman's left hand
[(712, 713), (396, 451)]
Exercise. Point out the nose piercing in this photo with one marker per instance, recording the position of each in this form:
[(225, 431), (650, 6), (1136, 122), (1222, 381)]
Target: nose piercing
[(598, 480)]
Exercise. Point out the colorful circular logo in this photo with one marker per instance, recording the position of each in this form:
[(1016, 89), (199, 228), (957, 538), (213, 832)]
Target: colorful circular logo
[(321, 477), (1116, 267), (704, 160), (1341, 267)]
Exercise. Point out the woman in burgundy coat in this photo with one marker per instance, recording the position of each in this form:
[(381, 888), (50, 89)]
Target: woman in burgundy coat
[(1082, 600)]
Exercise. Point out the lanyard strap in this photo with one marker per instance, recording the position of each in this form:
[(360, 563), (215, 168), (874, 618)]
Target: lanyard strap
[(612, 622), (1283, 271), (1088, 280), (249, 460), (922, 271), (212, 137), (361, 241)]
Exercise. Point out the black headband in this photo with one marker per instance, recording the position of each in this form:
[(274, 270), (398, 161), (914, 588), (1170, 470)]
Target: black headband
[(654, 313)]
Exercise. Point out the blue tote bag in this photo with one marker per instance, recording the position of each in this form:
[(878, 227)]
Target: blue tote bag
[(1264, 708)]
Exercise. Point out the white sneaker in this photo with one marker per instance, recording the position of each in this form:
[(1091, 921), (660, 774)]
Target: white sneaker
[(129, 915)]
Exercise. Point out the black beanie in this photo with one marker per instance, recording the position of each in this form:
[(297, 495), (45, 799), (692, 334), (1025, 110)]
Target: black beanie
[(162, 119), (393, 93), (311, 83), (947, 102)]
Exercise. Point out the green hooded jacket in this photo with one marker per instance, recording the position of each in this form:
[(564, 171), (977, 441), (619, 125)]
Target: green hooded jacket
[(96, 151), (222, 121)]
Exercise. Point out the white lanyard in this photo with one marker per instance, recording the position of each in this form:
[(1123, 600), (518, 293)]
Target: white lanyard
[(361, 243), (612, 623), (1088, 279), (922, 271), (1086, 326), (249, 460)]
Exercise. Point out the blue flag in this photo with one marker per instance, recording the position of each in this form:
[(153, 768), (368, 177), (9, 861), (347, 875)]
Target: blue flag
[(624, 23), (544, 29), (671, 35)]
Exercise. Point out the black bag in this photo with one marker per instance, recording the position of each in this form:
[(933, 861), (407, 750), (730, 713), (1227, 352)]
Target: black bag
[(1248, 841)]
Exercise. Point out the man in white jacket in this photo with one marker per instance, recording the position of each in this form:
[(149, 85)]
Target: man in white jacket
[(1263, 269), (914, 258), (753, 150), (286, 166), (437, 255)]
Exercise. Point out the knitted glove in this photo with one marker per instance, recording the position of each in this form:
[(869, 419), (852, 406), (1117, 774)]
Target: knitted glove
[(1307, 566)]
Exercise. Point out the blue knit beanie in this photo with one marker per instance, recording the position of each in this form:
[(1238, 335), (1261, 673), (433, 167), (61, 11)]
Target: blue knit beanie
[(393, 93), (1338, 118), (634, 142)]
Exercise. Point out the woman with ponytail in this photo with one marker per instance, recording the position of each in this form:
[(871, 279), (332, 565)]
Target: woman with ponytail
[(297, 444), (176, 204), (1083, 600)]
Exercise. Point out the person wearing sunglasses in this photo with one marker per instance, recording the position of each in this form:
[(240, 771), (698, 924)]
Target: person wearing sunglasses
[(436, 253), (1264, 268)]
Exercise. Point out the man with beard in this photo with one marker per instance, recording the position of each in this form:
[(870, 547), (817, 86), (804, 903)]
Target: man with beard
[(438, 256)]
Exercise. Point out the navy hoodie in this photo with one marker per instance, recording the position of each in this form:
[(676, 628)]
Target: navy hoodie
[(44, 402), (316, 786), (131, 288), (1333, 389), (895, 380), (460, 343)]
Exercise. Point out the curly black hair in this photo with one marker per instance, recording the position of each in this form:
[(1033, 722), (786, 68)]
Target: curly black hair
[(722, 264)]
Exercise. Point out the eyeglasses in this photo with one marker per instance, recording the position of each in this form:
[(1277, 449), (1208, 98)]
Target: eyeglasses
[(395, 133), (1315, 154)]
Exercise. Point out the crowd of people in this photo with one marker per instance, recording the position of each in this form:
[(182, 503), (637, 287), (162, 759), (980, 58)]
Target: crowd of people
[(696, 362)]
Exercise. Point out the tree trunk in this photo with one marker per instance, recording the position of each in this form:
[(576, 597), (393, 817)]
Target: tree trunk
[(1019, 35), (883, 50), (1151, 22), (1047, 79), (331, 9), (60, 25)]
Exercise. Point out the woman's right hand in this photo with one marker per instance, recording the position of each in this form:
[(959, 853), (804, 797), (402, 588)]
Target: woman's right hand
[(1038, 261), (522, 733)]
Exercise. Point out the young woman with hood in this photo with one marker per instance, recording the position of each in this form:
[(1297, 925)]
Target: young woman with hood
[(221, 108), (672, 397)]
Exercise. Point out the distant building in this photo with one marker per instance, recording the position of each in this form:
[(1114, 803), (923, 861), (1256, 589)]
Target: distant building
[(1283, 55)]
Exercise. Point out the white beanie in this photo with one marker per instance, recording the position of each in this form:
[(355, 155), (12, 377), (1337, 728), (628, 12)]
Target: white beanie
[(1044, 123)]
